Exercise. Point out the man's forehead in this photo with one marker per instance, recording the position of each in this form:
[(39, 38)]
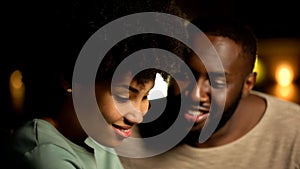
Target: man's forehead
[(202, 46), (210, 63)]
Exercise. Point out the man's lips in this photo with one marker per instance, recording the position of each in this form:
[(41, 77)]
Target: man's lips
[(197, 114), (123, 131)]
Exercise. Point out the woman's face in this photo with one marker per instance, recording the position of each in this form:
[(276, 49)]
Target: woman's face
[(123, 104)]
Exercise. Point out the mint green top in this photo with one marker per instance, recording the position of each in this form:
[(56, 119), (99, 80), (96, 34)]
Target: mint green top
[(40, 146)]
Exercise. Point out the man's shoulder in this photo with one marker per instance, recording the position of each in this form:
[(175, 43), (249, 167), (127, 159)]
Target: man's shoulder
[(282, 111), (274, 101)]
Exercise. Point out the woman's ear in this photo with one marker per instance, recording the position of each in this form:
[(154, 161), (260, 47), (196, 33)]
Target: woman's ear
[(249, 83), (65, 84)]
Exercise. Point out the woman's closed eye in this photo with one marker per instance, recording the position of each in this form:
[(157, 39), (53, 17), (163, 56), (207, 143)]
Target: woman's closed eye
[(145, 97), (121, 99)]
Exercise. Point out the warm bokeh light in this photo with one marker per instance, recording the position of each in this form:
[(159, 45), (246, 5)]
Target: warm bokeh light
[(259, 68), (286, 92), (16, 79), (17, 90), (284, 75)]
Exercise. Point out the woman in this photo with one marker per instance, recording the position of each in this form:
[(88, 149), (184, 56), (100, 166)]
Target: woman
[(53, 136)]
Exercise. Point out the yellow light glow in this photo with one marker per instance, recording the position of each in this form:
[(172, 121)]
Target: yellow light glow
[(17, 90), (260, 70), (285, 92), (16, 79), (284, 75)]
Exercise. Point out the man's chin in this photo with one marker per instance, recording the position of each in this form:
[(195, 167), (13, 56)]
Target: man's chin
[(192, 137)]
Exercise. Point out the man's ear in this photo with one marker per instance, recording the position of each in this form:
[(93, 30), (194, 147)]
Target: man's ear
[(249, 83)]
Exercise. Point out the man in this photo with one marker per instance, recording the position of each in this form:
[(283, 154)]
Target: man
[(255, 130)]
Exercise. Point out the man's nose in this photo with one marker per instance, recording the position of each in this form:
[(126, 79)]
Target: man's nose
[(201, 91)]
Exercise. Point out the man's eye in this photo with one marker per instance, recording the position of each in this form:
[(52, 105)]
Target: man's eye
[(217, 80), (218, 84), (121, 99)]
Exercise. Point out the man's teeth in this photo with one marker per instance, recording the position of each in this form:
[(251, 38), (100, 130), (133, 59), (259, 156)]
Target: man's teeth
[(195, 113)]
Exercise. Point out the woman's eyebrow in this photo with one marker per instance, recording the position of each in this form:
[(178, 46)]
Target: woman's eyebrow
[(133, 89), (130, 88)]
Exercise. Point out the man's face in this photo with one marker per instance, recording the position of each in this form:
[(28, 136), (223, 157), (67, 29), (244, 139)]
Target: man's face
[(214, 93)]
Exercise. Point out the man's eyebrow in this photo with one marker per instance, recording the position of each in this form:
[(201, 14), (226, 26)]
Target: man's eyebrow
[(219, 74)]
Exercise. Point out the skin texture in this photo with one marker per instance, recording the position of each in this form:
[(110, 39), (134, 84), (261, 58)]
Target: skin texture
[(122, 109), (237, 83)]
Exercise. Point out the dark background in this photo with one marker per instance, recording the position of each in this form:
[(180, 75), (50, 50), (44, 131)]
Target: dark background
[(24, 21), (269, 19)]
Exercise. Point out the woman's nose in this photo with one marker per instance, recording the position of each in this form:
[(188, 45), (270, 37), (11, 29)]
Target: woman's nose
[(138, 110), (134, 117)]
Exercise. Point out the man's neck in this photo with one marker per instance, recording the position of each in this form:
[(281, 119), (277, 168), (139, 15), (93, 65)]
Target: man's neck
[(247, 115)]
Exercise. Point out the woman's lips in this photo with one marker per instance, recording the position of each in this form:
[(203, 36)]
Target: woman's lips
[(124, 132)]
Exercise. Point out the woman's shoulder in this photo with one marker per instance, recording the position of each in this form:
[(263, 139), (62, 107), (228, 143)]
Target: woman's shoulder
[(34, 133), (40, 141)]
